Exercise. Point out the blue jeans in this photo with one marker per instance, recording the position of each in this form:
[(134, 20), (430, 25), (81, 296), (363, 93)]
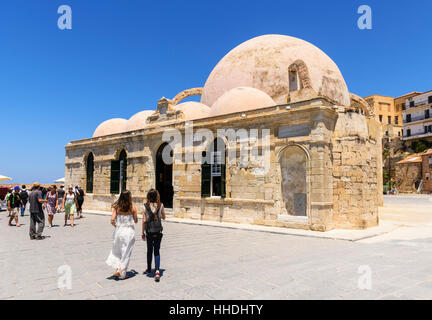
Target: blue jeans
[(22, 208), (153, 246)]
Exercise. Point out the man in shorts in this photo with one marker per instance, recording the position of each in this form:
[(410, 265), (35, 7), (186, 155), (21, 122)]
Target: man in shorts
[(14, 204), (7, 201)]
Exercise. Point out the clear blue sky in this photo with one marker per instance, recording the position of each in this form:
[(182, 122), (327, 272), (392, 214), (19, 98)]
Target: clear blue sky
[(121, 56)]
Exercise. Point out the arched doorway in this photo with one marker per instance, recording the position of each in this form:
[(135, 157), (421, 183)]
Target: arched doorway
[(293, 163), (89, 173), (164, 175)]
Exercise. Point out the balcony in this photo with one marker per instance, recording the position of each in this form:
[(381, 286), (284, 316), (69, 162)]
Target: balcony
[(420, 103), (414, 119), (416, 135)]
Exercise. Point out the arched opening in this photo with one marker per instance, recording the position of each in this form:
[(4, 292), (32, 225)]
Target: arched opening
[(164, 174), (119, 173), (293, 80), (293, 164), (89, 173), (213, 170)]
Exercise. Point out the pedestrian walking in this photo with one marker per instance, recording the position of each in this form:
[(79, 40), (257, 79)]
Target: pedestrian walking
[(60, 195), (14, 204), (80, 194), (24, 198), (36, 213), (124, 217), (7, 201), (69, 205), (154, 213), (52, 204)]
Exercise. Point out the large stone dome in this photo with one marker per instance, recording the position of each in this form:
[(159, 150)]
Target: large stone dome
[(263, 63), (193, 110), (109, 127), (138, 121), (241, 99)]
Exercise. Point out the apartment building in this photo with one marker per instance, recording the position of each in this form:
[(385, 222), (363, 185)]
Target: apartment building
[(387, 113), (416, 113)]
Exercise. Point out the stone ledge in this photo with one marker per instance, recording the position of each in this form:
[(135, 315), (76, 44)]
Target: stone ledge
[(225, 200)]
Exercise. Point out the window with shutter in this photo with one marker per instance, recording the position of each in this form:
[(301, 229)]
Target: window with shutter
[(123, 170), (205, 180), (213, 171), (115, 176), (223, 181)]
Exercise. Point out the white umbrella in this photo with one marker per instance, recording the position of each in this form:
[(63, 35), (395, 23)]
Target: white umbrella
[(61, 180), (3, 178)]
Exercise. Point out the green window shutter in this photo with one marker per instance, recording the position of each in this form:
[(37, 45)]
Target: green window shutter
[(115, 176), (223, 180), (205, 180)]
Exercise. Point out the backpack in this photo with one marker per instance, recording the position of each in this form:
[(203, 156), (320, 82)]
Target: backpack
[(24, 195), (154, 224)]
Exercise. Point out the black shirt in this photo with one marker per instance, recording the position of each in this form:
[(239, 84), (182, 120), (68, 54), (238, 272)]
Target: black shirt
[(61, 194)]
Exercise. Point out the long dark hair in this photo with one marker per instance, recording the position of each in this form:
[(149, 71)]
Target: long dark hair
[(124, 203), (153, 196)]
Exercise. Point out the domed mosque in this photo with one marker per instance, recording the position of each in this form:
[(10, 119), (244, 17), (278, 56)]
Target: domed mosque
[(276, 140)]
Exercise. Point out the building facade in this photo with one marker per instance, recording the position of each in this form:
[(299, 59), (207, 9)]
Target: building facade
[(318, 147), (414, 173), (388, 114), (417, 121)]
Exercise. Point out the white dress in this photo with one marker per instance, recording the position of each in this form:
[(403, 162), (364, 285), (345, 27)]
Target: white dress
[(123, 242)]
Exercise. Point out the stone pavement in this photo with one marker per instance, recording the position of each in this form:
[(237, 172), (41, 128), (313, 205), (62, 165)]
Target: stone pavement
[(206, 262)]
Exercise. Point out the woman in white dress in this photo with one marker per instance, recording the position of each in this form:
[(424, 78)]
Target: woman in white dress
[(124, 216)]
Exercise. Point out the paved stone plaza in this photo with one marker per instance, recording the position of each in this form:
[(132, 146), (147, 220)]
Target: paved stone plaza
[(205, 262)]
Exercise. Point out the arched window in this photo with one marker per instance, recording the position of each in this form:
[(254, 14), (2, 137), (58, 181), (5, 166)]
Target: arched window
[(293, 80), (119, 173), (89, 173), (213, 170)]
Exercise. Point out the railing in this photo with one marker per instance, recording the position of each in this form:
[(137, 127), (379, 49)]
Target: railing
[(417, 104), (413, 119), (416, 134)]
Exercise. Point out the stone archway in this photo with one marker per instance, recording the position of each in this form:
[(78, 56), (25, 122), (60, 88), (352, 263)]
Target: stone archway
[(293, 162), (164, 176)]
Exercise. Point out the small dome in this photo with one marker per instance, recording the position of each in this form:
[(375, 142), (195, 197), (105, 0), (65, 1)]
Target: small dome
[(263, 63), (138, 121), (241, 99), (109, 127), (193, 110)]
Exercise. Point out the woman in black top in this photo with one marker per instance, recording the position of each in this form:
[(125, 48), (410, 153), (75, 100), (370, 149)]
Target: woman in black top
[(153, 215)]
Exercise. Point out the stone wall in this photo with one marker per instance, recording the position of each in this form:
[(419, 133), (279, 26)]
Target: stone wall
[(356, 165), (408, 175)]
